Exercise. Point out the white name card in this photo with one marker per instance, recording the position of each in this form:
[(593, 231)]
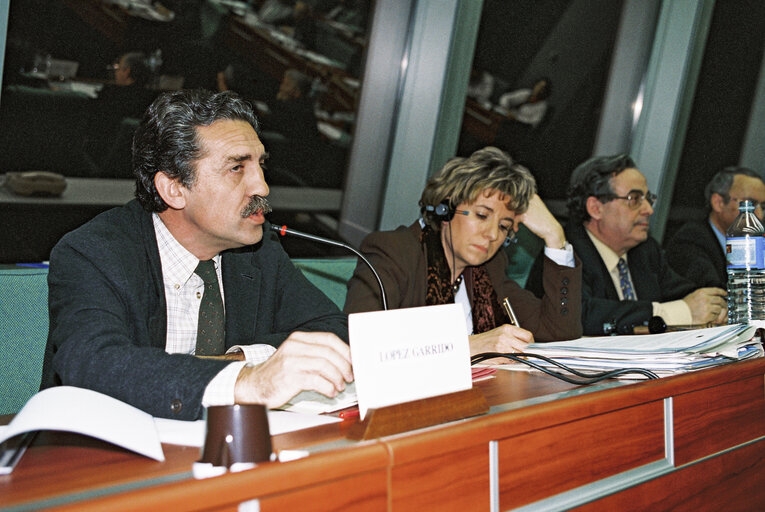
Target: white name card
[(408, 354)]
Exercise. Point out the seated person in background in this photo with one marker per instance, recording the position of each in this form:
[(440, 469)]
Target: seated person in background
[(293, 114), (527, 106), (470, 208), (481, 86), (128, 96), (697, 250), (129, 310), (290, 129), (301, 25), (625, 277)]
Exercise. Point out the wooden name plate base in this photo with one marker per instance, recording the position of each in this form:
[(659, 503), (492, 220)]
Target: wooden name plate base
[(435, 410)]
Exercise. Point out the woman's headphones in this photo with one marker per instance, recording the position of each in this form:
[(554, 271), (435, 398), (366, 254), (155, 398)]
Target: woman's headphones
[(443, 211)]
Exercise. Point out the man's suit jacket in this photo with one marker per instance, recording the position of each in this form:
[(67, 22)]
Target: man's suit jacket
[(694, 252), (652, 278), (108, 314)]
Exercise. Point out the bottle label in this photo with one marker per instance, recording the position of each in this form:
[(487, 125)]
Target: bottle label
[(745, 252)]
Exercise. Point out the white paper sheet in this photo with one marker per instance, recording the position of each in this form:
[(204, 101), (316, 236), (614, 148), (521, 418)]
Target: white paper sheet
[(310, 402), (93, 414), (192, 433)]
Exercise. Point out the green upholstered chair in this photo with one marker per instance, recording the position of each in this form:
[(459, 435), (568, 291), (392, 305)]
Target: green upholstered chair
[(521, 255), (330, 275), (23, 334)]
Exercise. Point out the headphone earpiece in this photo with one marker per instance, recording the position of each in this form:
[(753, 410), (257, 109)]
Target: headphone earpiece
[(443, 211)]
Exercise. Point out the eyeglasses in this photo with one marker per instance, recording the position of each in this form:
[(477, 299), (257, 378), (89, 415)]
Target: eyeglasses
[(737, 200), (634, 199)]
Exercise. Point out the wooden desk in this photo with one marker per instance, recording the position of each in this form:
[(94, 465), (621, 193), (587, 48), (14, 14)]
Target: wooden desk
[(109, 19), (261, 48), (481, 123), (694, 441)]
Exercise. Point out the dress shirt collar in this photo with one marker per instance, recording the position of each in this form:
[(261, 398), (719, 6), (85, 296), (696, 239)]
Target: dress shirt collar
[(608, 255), (720, 236), (178, 264)]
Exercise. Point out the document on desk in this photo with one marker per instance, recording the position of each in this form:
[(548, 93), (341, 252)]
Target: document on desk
[(664, 354), (82, 411), (311, 402), (87, 412), (192, 433)]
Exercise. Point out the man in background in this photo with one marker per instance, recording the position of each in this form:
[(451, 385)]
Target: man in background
[(697, 249), (625, 277)]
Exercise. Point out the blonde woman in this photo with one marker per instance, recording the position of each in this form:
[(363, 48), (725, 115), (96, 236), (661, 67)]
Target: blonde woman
[(470, 209)]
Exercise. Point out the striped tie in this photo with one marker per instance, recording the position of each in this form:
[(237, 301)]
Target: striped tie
[(211, 327)]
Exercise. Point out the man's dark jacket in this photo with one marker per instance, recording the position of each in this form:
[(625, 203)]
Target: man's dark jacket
[(652, 278), (694, 252), (108, 315)]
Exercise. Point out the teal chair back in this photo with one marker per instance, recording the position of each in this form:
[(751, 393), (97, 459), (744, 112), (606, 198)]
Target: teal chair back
[(23, 334), (330, 275), (521, 255)]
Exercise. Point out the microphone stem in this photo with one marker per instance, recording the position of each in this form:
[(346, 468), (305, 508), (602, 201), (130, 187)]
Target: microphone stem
[(285, 230)]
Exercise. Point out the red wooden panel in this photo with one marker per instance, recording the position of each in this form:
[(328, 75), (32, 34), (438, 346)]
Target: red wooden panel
[(560, 458), (313, 475), (713, 419), (457, 480), (733, 481), (358, 493)]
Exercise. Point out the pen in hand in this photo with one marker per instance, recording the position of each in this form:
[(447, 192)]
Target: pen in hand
[(510, 312)]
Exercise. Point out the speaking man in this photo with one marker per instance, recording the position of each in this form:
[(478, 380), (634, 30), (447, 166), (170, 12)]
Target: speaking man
[(150, 302)]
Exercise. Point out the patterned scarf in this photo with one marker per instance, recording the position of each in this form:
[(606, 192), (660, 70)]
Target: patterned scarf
[(486, 310)]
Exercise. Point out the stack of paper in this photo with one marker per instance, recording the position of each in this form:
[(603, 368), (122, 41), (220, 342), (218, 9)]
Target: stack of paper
[(664, 354)]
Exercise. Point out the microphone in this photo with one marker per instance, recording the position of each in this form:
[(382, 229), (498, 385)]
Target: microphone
[(284, 230)]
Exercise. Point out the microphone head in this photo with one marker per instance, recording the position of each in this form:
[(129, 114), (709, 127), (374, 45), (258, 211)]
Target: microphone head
[(657, 325)]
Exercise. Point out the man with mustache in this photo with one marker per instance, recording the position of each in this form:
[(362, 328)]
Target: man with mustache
[(625, 277), (139, 293)]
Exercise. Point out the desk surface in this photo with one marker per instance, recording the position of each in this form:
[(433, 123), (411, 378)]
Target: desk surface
[(678, 441)]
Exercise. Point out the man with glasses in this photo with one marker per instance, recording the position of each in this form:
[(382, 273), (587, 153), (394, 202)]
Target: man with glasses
[(697, 250), (625, 277)]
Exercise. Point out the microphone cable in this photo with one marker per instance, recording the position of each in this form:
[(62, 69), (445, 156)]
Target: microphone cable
[(585, 377), (284, 230)]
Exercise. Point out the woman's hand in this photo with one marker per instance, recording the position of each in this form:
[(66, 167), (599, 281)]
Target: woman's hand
[(505, 338), (542, 223)]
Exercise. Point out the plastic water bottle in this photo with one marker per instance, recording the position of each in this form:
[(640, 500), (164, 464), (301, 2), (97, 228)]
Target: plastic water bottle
[(744, 247)]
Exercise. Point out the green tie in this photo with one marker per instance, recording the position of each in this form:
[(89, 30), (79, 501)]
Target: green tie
[(211, 327)]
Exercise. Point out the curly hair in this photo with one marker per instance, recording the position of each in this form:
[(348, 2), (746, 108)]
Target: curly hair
[(167, 139), (593, 178), (462, 179)]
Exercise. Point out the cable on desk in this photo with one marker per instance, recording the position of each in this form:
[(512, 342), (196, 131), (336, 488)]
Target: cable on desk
[(586, 377)]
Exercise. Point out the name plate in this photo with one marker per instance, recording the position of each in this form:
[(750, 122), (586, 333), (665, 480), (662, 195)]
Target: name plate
[(408, 354)]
